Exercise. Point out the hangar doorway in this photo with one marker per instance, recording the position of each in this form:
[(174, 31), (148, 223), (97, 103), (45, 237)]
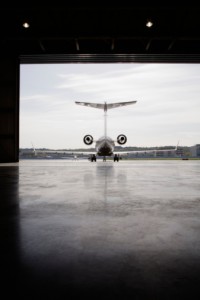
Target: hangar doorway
[(49, 118)]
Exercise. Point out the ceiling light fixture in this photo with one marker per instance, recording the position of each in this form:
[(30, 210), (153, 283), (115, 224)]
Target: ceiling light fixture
[(26, 25), (149, 23)]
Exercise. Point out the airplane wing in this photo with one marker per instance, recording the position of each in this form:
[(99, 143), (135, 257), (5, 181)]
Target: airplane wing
[(76, 152), (123, 153), (47, 152)]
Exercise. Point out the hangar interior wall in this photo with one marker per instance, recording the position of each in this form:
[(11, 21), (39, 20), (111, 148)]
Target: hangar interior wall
[(9, 110)]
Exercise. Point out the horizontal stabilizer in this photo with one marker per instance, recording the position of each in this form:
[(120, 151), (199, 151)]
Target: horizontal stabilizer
[(95, 105), (105, 106), (118, 104)]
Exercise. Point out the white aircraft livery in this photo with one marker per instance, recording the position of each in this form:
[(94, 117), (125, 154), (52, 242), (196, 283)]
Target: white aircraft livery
[(105, 145)]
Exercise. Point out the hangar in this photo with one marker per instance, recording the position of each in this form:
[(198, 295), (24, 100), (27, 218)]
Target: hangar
[(115, 241), (84, 33)]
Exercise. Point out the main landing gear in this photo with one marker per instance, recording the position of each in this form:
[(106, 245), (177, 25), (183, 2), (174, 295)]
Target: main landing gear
[(116, 158), (93, 158)]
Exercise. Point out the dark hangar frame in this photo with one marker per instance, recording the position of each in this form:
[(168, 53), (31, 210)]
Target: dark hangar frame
[(87, 33)]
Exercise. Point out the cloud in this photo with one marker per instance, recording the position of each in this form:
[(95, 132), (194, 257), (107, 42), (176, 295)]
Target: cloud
[(167, 105)]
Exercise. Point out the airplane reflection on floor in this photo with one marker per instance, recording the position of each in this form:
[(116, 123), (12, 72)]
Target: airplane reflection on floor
[(97, 230)]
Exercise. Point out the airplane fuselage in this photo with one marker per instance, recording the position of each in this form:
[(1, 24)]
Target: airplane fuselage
[(105, 146)]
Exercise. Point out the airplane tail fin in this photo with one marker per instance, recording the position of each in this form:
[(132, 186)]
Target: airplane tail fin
[(105, 106)]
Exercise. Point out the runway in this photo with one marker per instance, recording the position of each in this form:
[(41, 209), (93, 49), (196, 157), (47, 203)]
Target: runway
[(104, 230)]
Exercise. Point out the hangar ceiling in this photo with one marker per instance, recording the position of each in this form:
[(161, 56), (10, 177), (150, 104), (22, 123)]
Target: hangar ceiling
[(116, 31), (79, 31)]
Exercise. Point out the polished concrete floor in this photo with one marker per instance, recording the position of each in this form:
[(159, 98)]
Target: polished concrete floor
[(105, 230)]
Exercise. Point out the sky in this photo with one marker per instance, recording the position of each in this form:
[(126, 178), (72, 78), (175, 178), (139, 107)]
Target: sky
[(167, 109)]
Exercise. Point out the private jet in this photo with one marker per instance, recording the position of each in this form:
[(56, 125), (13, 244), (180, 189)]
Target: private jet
[(105, 146)]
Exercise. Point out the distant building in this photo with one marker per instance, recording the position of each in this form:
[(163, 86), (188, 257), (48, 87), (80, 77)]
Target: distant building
[(195, 150)]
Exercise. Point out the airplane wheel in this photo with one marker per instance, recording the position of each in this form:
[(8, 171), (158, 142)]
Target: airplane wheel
[(116, 158), (93, 158)]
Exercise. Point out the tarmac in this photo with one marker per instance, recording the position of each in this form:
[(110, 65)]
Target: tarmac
[(101, 230)]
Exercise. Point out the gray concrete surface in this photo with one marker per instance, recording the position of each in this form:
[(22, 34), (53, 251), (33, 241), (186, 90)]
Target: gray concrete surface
[(127, 230)]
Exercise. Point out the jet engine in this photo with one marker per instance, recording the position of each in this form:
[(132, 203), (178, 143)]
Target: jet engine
[(88, 139), (121, 139)]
